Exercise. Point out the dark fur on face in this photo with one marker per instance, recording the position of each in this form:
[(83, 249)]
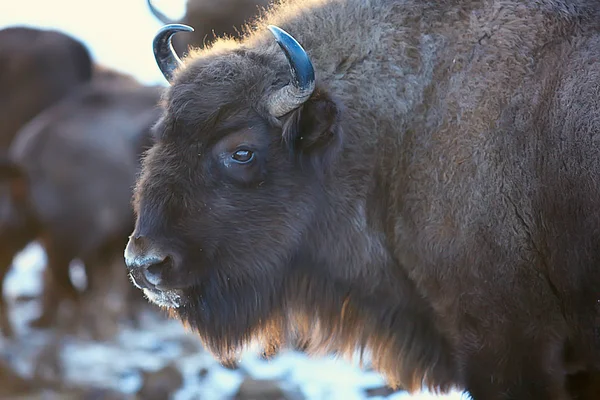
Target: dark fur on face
[(408, 208)]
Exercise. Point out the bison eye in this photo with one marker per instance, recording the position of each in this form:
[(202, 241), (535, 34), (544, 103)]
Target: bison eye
[(243, 156)]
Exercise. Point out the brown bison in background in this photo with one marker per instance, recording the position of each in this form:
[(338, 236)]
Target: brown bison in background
[(38, 67), (68, 181), (423, 183), (212, 19)]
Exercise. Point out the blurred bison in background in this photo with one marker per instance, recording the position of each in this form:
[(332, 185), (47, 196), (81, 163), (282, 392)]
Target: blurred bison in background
[(37, 68), (212, 19), (423, 182), (68, 181)]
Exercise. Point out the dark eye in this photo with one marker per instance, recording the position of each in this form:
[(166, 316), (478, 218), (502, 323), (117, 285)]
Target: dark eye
[(243, 156)]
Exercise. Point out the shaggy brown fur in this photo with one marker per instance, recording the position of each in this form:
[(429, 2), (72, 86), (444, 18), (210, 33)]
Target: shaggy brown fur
[(38, 67), (67, 182), (212, 19), (436, 202)]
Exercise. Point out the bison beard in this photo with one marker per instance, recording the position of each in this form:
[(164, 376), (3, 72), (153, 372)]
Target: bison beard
[(421, 183), (322, 317)]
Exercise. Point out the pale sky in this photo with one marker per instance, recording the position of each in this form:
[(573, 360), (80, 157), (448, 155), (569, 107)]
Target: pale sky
[(118, 33)]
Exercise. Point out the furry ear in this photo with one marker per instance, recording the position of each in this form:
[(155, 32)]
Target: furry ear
[(314, 130), (15, 177)]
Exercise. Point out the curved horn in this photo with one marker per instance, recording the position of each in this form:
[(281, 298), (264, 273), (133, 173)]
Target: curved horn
[(159, 15), (302, 85), (164, 54)]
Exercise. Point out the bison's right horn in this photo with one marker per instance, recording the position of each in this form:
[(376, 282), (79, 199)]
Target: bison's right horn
[(302, 85), (164, 53)]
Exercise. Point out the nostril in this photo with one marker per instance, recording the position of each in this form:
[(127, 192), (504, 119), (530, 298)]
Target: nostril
[(148, 274), (155, 272), (146, 262)]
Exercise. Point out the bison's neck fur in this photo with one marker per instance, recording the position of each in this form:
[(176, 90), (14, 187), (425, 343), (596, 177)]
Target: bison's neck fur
[(329, 317), (396, 330), (343, 295)]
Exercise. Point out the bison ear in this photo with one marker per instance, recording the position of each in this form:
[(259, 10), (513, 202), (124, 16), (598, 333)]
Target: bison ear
[(314, 131), (12, 175)]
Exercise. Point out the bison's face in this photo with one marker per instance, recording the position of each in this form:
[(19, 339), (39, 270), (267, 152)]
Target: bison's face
[(228, 192), (220, 205)]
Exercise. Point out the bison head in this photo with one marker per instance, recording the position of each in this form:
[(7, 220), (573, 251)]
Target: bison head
[(235, 180), (251, 223)]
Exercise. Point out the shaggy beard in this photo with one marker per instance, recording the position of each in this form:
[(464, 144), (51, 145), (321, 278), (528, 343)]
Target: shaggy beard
[(323, 318)]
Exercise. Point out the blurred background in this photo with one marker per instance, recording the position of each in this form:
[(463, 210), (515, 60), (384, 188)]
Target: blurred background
[(78, 94)]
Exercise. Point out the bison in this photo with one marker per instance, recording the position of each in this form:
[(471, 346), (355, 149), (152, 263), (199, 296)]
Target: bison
[(416, 179), (211, 19), (67, 181), (38, 67)]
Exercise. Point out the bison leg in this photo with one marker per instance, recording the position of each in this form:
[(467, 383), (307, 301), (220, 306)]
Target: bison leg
[(513, 341), (522, 378), (5, 324), (57, 287), (509, 364)]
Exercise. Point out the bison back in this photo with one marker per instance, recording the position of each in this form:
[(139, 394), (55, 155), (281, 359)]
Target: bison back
[(37, 69), (82, 157)]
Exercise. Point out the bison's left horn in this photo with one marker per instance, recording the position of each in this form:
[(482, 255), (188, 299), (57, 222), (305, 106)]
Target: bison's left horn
[(302, 85), (164, 53)]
